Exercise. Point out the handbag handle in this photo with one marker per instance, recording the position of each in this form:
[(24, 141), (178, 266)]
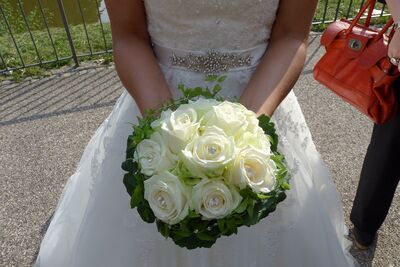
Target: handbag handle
[(384, 30), (369, 4)]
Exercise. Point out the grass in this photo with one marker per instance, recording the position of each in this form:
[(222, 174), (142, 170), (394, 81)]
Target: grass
[(46, 52), (95, 40)]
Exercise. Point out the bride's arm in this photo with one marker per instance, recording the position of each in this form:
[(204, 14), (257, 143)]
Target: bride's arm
[(282, 64), (394, 45), (134, 59)]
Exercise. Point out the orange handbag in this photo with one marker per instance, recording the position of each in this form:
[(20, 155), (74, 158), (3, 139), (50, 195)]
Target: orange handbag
[(356, 66)]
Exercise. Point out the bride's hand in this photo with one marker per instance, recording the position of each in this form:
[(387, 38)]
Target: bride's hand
[(282, 64), (394, 46), (135, 62)]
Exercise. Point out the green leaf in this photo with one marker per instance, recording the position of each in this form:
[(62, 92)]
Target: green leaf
[(221, 225), (195, 93), (211, 78), (238, 220), (129, 165), (163, 228), (193, 214), (222, 78), (139, 177), (250, 210), (203, 225), (137, 196), (205, 237), (193, 242), (242, 207), (130, 183), (285, 186), (182, 234), (145, 212), (253, 216), (148, 131), (281, 197), (248, 193), (235, 99), (131, 145), (181, 87), (265, 123), (268, 205), (261, 196), (217, 88), (231, 225)]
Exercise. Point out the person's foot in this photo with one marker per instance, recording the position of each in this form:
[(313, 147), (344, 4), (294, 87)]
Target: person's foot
[(362, 240), (362, 252)]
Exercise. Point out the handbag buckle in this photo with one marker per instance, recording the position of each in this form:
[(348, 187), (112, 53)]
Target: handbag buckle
[(355, 44)]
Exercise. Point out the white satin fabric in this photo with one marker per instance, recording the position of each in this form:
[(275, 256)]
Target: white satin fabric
[(93, 225)]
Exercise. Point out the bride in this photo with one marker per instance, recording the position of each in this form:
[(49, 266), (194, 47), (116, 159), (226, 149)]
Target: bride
[(260, 45)]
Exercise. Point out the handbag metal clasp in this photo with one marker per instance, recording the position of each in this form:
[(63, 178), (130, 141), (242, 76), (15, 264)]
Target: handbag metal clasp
[(355, 44)]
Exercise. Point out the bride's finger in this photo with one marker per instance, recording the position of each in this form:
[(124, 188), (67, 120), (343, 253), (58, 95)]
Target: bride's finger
[(394, 48), (394, 56)]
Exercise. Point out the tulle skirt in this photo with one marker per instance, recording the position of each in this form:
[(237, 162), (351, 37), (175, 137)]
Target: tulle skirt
[(93, 224)]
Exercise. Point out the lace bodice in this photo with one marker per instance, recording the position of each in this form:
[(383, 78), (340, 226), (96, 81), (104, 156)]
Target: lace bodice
[(200, 25)]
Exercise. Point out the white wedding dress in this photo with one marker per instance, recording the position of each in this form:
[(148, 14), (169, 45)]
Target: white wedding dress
[(93, 225)]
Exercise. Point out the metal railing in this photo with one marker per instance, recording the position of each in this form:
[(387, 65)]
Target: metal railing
[(329, 11), (33, 39), (20, 44)]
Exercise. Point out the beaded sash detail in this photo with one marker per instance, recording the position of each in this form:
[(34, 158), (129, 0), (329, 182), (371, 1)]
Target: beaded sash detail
[(210, 62)]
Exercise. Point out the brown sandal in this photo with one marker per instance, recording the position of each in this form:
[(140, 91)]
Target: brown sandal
[(358, 245), (368, 242)]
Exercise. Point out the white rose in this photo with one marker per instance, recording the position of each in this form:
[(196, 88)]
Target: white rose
[(210, 153), (164, 117), (178, 127), (203, 105), (254, 168), (168, 197), (230, 117), (258, 140), (253, 123), (214, 199), (154, 156)]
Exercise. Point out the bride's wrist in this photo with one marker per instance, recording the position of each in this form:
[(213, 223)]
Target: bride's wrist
[(397, 26), (265, 111), (151, 104), (259, 109)]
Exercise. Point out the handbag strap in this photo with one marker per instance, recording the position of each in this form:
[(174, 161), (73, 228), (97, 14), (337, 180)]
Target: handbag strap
[(385, 29), (370, 11), (369, 4)]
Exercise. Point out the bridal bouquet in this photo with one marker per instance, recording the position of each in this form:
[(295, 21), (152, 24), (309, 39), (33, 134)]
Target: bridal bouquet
[(204, 167)]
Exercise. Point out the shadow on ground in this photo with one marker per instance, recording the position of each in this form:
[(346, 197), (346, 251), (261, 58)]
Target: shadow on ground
[(54, 96)]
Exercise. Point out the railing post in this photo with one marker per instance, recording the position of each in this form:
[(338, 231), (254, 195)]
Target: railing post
[(67, 31), (12, 35)]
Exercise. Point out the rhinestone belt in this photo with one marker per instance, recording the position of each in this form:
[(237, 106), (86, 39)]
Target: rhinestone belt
[(209, 62)]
